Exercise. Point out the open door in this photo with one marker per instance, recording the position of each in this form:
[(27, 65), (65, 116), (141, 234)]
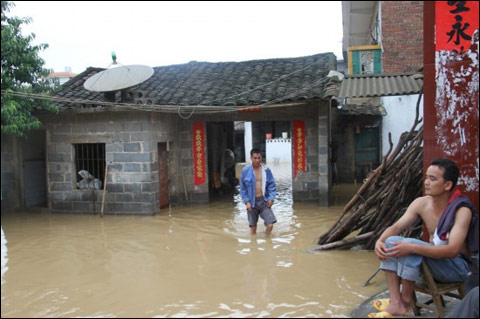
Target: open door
[(366, 151), (163, 175)]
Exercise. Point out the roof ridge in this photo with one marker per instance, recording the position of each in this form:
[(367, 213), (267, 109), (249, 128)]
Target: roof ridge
[(248, 61), (250, 82)]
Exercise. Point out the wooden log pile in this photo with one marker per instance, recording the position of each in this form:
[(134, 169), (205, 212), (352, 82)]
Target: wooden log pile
[(384, 196)]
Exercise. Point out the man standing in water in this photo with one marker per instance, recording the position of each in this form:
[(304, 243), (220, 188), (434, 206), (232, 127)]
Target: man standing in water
[(452, 224), (258, 191)]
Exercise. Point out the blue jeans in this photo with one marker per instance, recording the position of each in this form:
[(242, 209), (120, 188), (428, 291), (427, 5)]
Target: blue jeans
[(408, 267)]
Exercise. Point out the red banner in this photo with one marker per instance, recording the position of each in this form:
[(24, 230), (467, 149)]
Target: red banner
[(299, 152), (456, 22), (451, 89), (199, 153), (253, 109)]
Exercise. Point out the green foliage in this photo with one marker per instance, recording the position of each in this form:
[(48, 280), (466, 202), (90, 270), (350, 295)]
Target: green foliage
[(22, 72)]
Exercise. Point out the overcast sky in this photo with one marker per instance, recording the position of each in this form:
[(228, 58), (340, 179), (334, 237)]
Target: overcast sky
[(83, 34)]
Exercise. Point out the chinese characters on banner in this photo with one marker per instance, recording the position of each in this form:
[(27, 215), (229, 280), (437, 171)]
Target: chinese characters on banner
[(457, 20), (199, 153), (299, 147)]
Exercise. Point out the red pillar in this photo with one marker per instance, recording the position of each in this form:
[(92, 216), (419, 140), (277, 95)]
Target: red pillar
[(451, 89)]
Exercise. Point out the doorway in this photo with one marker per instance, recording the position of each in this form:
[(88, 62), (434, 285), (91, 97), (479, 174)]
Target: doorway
[(366, 151), (34, 170), (221, 158), (163, 175)]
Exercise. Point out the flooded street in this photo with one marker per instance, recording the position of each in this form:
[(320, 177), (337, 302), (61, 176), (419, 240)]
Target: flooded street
[(196, 261)]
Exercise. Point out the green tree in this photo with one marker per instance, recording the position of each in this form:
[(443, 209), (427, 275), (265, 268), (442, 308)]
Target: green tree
[(22, 72)]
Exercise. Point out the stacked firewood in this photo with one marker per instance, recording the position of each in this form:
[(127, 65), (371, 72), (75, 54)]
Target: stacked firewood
[(384, 196)]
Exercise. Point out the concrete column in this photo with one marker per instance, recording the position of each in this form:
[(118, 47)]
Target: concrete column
[(248, 140), (323, 154)]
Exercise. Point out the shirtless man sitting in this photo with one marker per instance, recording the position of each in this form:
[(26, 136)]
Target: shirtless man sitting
[(450, 219)]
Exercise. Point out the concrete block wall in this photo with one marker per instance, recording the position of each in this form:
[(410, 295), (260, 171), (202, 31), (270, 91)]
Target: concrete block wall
[(131, 141), (324, 169), (185, 192), (11, 198), (313, 185), (131, 154), (307, 185)]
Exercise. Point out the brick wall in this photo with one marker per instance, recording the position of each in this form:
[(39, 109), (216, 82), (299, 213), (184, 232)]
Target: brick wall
[(402, 36)]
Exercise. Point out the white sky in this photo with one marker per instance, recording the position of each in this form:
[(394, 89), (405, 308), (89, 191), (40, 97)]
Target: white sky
[(83, 34)]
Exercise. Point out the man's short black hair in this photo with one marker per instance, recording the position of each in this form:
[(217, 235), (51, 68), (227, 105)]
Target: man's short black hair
[(451, 170), (255, 151)]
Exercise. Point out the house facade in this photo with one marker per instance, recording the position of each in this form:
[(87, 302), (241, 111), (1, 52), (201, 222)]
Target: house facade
[(157, 144), (383, 44)]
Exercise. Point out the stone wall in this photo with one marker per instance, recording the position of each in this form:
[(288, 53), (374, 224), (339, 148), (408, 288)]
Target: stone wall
[(131, 154)]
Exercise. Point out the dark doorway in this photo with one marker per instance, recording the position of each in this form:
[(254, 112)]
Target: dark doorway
[(366, 151), (221, 158), (34, 169), (163, 175)]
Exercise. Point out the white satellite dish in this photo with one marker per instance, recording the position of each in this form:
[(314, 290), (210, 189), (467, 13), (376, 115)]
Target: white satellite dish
[(118, 78)]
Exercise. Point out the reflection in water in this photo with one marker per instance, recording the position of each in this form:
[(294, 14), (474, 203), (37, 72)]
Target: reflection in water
[(187, 262), (4, 254)]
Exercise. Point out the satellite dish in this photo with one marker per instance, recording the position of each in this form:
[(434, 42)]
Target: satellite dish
[(118, 78)]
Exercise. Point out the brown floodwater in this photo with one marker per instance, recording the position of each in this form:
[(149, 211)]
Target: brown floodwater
[(198, 261)]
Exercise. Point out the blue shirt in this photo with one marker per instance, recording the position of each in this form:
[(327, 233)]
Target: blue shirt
[(247, 185)]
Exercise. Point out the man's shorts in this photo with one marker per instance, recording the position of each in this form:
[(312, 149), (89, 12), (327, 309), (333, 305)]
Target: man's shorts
[(261, 209)]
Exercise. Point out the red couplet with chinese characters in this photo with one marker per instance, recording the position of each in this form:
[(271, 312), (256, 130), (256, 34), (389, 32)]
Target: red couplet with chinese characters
[(199, 153), (456, 23), (299, 147), (451, 89)]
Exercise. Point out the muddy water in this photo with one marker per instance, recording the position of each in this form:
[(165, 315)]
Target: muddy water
[(186, 262)]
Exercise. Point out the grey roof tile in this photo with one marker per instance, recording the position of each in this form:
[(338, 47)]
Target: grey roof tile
[(363, 109), (220, 84), (380, 85)]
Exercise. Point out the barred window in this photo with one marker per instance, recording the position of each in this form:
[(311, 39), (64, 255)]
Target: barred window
[(91, 158)]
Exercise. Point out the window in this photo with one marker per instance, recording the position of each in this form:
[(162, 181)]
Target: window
[(91, 158), (366, 59)]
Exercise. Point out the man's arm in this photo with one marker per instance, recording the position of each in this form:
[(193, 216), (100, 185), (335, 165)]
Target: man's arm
[(408, 219), (456, 240), (243, 187), (271, 188)]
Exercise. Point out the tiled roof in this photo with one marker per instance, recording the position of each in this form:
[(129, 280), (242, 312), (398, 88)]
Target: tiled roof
[(220, 84), (380, 85), (363, 109)]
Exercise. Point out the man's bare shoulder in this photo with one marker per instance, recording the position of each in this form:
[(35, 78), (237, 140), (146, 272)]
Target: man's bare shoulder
[(422, 200), (420, 205)]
